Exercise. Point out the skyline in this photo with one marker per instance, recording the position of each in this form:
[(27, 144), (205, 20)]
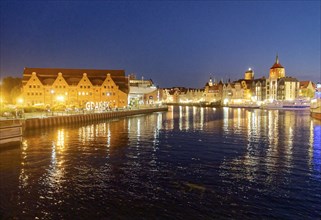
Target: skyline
[(173, 43)]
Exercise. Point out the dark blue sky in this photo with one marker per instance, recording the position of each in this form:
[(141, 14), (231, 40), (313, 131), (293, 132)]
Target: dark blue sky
[(174, 43)]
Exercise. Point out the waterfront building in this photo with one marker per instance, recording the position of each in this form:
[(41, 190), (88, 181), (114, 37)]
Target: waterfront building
[(178, 95), (287, 88), (307, 89), (260, 89), (232, 93), (213, 91), (49, 87), (277, 71), (142, 91)]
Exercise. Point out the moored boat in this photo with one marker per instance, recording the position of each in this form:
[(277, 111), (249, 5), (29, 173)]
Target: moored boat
[(288, 105), (244, 105)]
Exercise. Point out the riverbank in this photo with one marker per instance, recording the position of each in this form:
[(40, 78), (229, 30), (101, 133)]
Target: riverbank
[(10, 133), (45, 122)]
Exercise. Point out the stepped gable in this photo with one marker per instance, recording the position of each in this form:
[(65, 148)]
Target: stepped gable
[(73, 76)]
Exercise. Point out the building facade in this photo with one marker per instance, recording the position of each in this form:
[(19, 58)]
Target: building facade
[(307, 89), (142, 92), (74, 87)]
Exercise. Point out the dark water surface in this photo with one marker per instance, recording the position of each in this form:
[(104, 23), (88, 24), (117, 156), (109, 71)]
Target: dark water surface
[(188, 163)]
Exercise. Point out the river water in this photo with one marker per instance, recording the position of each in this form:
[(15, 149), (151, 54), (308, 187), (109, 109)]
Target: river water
[(187, 163)]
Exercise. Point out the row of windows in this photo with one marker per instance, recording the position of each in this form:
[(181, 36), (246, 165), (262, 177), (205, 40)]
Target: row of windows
[(85, 87), (88, 87), (103, 94), (63, 87), (31, 93), (34, 86)]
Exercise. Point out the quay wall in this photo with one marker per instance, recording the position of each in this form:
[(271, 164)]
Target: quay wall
[(84, 118)]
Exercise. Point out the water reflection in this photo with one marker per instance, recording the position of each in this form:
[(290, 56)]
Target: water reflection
[(231, 155), (317, 149), (283, 131)]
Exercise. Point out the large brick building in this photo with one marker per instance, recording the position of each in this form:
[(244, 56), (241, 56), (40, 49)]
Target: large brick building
[(74, 87)]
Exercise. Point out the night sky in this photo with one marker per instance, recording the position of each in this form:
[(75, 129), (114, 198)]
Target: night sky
[(174, 43)]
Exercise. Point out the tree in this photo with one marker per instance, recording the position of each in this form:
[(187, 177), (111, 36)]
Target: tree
[(10, 89)]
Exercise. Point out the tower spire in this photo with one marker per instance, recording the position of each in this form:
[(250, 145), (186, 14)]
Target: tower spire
[(277, 58)]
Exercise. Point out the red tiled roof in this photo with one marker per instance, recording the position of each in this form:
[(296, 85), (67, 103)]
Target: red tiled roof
[(276, 65)]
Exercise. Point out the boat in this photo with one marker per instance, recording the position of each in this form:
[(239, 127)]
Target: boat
[(244, 105), (315, 108), (298, 104)]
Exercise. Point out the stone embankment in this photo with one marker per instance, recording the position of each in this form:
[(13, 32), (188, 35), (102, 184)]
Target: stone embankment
[(84, 118)]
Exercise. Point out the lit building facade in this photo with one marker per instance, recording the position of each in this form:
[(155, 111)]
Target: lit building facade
[(142, 92), (307, 89), (277, 71), (213, 91), (287, 88), (74, 87)]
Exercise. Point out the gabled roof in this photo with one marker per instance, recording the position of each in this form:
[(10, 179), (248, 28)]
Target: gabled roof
[(73, 76), (304, 84)]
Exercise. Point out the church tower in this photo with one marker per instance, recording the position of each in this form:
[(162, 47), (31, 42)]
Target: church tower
[(277, 71)]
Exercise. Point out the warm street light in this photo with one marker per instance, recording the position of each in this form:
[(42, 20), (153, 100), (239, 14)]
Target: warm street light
[(20, 101), (60, 98)]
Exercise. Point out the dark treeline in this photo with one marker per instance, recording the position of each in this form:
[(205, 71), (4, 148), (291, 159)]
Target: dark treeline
[(10, 89)]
